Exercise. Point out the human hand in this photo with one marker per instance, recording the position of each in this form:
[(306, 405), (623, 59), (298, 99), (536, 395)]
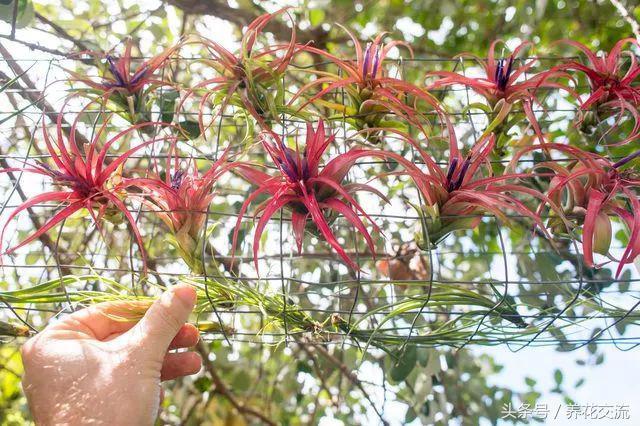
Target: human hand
[(92, 368)]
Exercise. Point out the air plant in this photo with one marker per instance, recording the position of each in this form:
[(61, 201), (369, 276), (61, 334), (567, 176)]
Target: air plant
[(503, 86), (181, 200), (455, 197), (251, 78), (127, 88), (308, 192), (86, 180), (591, 189), (584, 195), (615, 89), (372, 95)]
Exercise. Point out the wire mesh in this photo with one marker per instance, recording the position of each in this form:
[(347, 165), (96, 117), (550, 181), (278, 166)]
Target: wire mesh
[(495, 285)]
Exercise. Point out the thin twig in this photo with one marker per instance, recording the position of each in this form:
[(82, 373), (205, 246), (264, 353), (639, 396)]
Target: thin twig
[(35, 46), (45, 239), (62, 32), (35, 96), (14, 19), (346, 372), (222, 389)]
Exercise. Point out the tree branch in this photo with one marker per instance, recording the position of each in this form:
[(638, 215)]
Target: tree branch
[(34, 46), (242, 17), (62, 32), (35, 96), (350, 375), (222, 389), (45, 239), (622, 10)]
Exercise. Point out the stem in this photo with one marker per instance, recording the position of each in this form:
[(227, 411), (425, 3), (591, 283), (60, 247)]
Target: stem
[(626, 159), (344, 370), (222, 389), (32, 94)]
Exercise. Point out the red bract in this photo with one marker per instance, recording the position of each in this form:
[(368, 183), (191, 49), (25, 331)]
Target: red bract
[(613, 86), (181, 201), (251, 78), (86, 180), (307, 191), (123, 89), (593, 188), (119, 76), (372, 92), (505, 84), (455, 197)]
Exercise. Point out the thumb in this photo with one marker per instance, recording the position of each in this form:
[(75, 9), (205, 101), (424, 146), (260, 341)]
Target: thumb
[(164, 318)]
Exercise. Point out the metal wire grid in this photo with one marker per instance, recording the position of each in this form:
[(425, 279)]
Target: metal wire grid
[(350, 295)]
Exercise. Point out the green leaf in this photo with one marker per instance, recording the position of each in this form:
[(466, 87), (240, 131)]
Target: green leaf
[(191, 129), (166, 103), (410, 416), (558, 376), (316, 17), (203, 384), (404, 365), (423, 356), (25, 12), (32, 258), (304, 367)]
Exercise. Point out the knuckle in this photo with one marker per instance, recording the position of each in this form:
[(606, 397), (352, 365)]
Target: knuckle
[(32, 353), (29, 349), (168, 320)]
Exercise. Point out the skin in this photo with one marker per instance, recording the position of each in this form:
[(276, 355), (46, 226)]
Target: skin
[(89, 368)]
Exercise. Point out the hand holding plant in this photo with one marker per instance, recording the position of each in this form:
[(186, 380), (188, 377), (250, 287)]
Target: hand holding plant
[(82, 369)]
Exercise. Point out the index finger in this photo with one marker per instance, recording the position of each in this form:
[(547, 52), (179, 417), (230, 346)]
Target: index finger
[(104, 319)]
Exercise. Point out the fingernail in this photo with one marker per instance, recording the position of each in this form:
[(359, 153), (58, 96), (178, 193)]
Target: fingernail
[(186, 294)]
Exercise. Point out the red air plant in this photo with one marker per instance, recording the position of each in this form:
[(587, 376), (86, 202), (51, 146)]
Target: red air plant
[(504, 85), (614, 86), (250, 78), (592, 189), (307, 191), (123, 84), (181, 200), (86, 180), (372, 93), (456, 197)]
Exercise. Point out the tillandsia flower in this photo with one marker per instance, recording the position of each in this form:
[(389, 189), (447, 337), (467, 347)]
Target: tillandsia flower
[(614, 86), (505, 85), (593, 189), (372, 93), (250, 78), (309, 192), (455, 197), (120, 83), (86, 180), (181, 199)]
